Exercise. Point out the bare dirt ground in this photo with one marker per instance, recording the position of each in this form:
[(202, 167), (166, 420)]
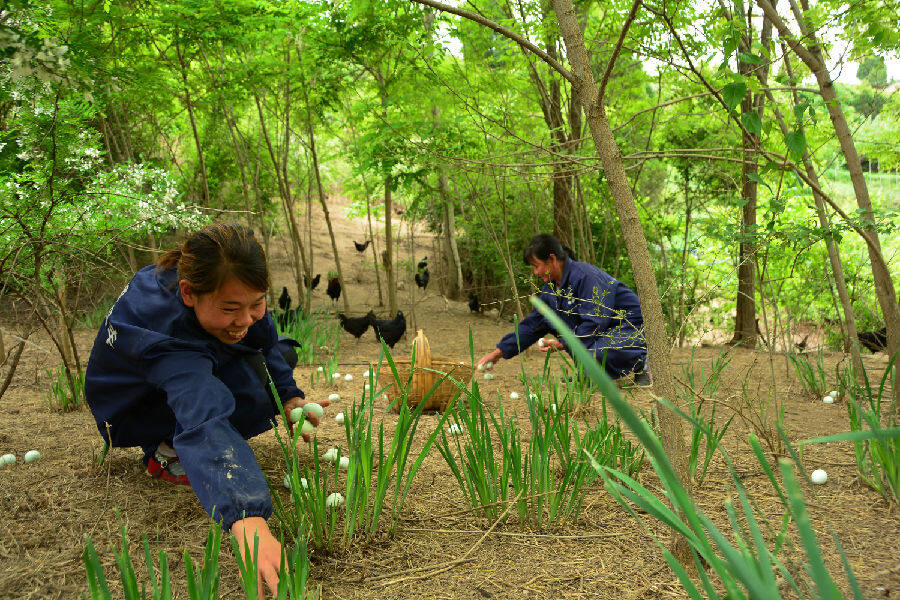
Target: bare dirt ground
[(48, 508)]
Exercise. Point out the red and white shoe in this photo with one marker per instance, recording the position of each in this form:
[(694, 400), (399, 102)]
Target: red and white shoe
[(167, 468)]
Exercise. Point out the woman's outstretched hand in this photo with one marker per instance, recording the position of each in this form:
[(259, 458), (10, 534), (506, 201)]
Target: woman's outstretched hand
[(268, 553), (299, 402), (491, 357), (550, 345)]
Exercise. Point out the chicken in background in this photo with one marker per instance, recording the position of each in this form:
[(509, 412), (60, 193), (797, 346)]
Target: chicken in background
[(388, 330), (422, 274), (355, 326), (875, 341), (474, 305), (312, 284), (284, 300), (334, 288)]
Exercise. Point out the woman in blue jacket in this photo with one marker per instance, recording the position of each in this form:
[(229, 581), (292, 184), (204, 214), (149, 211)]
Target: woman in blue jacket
[(603, 312), (179, 368)]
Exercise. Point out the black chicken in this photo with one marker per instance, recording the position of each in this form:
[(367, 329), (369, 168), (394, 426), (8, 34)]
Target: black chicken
[(388, 330), (422, 278), (361, 247), (284, 300), (334, 288), (876, 341), (355, 326), (315, 281), (474, 306), (423, 264)]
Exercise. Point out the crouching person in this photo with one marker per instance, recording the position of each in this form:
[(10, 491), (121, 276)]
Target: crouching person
[(180, 368), (602, 311)]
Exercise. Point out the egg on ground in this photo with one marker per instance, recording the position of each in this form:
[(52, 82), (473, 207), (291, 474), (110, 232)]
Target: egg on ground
[(819, 476)]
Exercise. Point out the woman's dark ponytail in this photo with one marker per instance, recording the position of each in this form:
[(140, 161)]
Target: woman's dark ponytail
[(217, 253)]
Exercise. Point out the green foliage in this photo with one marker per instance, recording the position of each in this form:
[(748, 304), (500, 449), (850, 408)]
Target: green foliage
[(313, 331), (742, 561), (873, 71), (66, 390), (294, 573), (877, 457), (813, 377), (380, 471), (544, 476), (705, 430), (202, 584)]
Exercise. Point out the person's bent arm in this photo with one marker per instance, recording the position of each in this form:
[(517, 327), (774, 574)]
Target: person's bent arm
[(528, 331), (252, 530)]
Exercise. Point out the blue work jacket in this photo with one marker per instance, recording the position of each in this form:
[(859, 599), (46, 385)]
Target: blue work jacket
[(602, 311), (153, 367)]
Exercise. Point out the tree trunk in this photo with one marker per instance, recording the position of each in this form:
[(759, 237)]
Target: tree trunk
[(389, 247), (684, 252), (456, 284), (287, 204), (551, 108), (834, 257), (562, 205), (812, 56), (321, 193), (745, 329), (374, 238), (372, 234), (190, 108), (636, 244)]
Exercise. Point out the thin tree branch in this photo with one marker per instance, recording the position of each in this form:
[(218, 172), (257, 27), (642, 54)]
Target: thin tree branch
[(612, 59), (468, 14)]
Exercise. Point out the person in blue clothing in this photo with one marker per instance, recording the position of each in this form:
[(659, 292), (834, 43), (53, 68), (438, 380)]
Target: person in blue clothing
[(180, 368), (602, 311)]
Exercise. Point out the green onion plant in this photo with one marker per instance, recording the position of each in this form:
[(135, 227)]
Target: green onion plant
[(745, 560), (877, 458), (547, 474), (380, 472), (313, 331), (202, 584), (294, 573), (813, 377), (704, 431), (66, 390), (706, 386)]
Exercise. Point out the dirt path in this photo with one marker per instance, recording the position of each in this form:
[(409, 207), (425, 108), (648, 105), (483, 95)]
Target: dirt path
[(47, 508)]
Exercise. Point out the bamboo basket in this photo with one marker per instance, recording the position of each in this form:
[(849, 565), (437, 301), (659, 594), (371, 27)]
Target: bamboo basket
[(429, 370)]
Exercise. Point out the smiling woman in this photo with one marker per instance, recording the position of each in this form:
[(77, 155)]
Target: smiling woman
[(181, 367), (228, 312)]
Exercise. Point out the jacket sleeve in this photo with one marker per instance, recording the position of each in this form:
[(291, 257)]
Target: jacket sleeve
[(594, 306), (281, 373), (529, 330), (221, 467)]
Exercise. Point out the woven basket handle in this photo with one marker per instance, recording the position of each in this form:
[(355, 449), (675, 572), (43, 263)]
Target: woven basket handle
[(423, 350)]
